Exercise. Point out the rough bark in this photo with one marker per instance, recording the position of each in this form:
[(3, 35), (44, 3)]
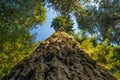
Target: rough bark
[(58, 58)]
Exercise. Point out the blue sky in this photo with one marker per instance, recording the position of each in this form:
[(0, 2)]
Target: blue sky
[(42, 32)]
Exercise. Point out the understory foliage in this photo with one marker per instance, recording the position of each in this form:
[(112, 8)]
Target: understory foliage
[(107, 55), (12, 55)]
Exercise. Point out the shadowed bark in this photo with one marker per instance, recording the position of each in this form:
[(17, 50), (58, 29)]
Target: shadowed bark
[(58, 58)]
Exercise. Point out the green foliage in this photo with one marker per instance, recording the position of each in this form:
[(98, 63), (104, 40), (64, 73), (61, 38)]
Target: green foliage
[(17, 17), (93, 16), (61, 21), (64, 7), (17, 11), (105, 54), (102, 18), (12, 56)]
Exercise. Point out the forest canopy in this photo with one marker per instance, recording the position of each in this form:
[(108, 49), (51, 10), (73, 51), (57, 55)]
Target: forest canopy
[(99, 18)]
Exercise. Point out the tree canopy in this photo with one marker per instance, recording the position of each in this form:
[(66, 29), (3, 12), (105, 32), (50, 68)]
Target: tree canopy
[(100, 17), (17, 17)]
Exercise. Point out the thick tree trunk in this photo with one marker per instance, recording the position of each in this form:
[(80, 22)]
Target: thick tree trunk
[(59, 58)]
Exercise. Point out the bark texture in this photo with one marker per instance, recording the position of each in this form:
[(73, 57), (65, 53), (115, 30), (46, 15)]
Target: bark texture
[(58, 58)]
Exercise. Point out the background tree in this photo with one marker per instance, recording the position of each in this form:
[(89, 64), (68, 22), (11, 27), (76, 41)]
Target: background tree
[(61, 21), (101, 18), (64, 7), (17, 17), (94, 16)]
